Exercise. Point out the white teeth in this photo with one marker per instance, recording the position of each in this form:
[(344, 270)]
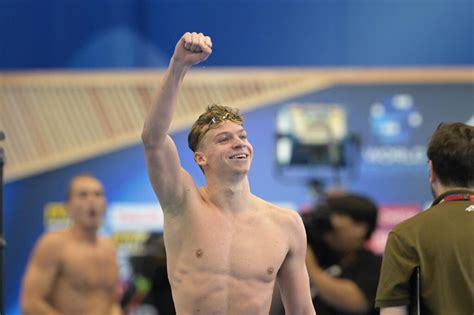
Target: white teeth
[(239, 156)]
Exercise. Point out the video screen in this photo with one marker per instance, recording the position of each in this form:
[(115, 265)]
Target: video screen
[(311, 134)]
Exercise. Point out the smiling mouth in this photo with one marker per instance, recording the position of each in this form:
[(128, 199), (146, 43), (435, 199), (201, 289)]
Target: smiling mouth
[(239, 156)]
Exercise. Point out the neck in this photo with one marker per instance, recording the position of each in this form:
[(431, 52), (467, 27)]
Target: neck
[(83, 233), (440, 189), (228, 195)]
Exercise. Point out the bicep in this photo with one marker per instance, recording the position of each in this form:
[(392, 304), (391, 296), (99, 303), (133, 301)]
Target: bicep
[(167, 177), (41, 270), (110, 247), (293, 277), (293, 282), (37, 280)]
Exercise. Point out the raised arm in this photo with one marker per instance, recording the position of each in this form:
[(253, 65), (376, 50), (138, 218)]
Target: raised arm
[(164, 170), (293, 277), (39, 278)]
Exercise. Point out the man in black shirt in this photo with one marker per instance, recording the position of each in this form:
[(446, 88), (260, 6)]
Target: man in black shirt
[(343, 273)]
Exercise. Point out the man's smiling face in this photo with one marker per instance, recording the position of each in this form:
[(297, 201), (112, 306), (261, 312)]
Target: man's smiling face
[(225, 147)]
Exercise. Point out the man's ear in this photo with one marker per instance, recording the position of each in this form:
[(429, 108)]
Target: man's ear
[(433, 176), (200, 158)]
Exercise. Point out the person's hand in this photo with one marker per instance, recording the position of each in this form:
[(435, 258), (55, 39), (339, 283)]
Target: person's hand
[(311, 260), (192, 48)]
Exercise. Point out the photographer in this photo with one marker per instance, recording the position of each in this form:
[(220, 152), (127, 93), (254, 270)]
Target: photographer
[(150, 291), (343, 273)]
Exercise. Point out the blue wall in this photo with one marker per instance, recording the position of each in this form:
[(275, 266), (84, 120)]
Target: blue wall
[(139, 33)]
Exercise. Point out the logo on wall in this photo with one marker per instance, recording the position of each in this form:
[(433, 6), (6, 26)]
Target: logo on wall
[(394, 122), (55, 216), (395, 119)]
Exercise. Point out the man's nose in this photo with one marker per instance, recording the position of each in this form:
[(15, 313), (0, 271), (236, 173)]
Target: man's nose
[(238, 143)]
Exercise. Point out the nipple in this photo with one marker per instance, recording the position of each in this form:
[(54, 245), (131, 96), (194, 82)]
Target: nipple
[(270, 270), (199, 253)]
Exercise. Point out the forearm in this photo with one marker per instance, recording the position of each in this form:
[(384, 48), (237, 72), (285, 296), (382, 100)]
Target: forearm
[(309, 311), (36, 306), (116, 310), (341, 294), (396, 310), (161, 112)]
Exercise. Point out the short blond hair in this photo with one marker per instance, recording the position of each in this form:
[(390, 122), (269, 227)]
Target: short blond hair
[(214, 116)]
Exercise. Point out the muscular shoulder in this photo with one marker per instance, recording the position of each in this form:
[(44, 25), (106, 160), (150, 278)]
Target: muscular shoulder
[(52, 240), (285, 214), (107, 243), (291, 224), (287, 219), (49, 246)]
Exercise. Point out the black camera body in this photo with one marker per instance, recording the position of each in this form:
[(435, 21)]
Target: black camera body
[(317, 224)]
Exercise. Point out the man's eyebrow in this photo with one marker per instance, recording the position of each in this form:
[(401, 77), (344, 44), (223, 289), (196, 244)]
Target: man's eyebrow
[(226, 133), (240, 131)]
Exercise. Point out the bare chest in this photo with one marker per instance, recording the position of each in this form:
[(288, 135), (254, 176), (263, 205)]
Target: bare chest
[(244, 248), (88, 269)]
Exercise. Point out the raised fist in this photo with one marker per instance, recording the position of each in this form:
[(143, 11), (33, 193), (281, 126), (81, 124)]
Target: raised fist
[(192, 48)]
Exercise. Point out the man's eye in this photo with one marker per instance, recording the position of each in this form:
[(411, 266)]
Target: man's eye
[(243, 137), (222, 140)]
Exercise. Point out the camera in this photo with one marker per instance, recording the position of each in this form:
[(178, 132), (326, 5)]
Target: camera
[(317, 223)]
